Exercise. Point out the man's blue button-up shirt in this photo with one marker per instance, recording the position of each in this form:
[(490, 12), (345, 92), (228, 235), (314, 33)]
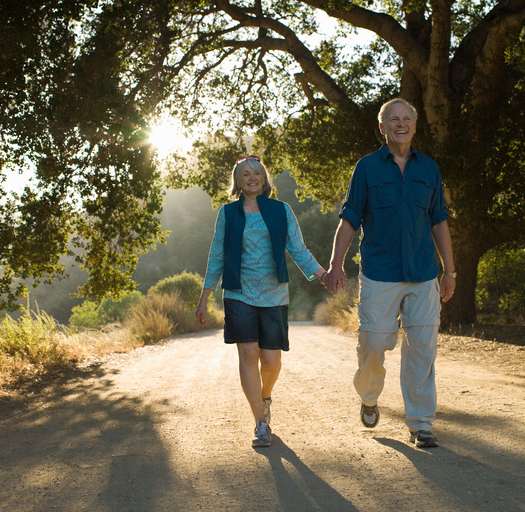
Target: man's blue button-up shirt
[(397, 211)]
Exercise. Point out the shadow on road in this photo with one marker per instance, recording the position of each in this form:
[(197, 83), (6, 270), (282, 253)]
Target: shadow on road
[(471, 483), (298, 487), (86, 448)]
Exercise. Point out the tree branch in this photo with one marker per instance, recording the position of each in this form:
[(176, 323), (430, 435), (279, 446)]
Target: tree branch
[(294, 46), (305, 86), (504, 21), (436, 87), (386, 27), (420, 29), (490, 62)]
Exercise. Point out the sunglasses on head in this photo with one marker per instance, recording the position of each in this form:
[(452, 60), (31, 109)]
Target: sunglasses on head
[(249, 157)]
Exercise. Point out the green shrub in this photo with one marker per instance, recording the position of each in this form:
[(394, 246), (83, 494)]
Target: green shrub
[(187, 285), (501, 285), (89, 315), (85, 316), (115, 310)]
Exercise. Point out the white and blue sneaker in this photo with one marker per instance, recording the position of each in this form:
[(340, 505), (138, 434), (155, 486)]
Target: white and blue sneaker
[(262, 436)]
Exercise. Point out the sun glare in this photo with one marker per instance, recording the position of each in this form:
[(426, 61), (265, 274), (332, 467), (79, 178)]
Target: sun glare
[(168, 136)]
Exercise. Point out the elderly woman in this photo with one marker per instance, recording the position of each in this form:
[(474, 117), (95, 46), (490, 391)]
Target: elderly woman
[(248, 249)]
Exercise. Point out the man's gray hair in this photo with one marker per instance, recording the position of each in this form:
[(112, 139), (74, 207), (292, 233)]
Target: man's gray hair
[(386, 106)]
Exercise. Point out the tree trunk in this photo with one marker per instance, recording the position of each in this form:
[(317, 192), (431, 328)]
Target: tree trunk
[(467, 252)]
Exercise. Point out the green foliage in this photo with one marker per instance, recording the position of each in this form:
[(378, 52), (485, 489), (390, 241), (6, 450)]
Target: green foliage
[(80, 81), (90, 315), (501, 284), (115, 310), (215, 156), (70, 118), (86, 316), (187, 286)]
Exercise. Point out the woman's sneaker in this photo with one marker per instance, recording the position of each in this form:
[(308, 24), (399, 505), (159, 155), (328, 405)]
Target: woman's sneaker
[(267, 412), (262, 436)]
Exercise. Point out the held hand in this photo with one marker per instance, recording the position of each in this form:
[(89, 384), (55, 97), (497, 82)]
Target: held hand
[(201, 312), (321, 275), (447, 286), (335, 279)]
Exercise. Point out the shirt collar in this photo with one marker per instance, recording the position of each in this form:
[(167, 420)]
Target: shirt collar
[(385, 153)]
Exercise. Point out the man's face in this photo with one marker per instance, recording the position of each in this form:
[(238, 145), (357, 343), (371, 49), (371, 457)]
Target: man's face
[(399, 124)]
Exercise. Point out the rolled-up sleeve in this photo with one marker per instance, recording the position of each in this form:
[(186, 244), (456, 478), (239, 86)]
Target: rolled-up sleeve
[(296, 248), (215, 266), (438, 207), (355, 202)]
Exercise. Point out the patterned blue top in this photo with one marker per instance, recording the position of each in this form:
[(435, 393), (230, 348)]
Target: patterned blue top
[(259, 284)]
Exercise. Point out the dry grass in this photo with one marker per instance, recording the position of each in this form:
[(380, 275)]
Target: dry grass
[(340, 309), (158, 316), (33, 338), (29, 347), (35, 346), (93, 344)]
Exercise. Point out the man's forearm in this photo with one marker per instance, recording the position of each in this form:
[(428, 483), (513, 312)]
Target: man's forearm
[(443, 241), (342, 240)]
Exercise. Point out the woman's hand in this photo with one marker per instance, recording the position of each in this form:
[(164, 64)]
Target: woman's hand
[(321, 275), (201, 312)]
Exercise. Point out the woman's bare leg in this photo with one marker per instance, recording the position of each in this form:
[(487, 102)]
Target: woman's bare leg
[(249, 354), (270, 369)]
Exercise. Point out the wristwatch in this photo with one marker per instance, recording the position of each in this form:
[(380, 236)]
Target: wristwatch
[(453, 275)]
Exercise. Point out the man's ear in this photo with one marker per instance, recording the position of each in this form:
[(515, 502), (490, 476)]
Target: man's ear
[(381, 128)]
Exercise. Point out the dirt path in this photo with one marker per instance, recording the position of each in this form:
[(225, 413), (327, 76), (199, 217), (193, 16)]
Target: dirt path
[(166, 428)]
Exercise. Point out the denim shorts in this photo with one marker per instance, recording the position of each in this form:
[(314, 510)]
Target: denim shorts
[(246, 323)]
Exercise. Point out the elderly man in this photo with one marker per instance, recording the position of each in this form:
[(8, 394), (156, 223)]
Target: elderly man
[(396, 195)]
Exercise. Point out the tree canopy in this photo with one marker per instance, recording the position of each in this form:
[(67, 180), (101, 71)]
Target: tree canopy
[(80, 81)]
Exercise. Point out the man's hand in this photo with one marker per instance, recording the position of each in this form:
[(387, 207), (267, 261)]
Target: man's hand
[(335, 279), (447, 286)]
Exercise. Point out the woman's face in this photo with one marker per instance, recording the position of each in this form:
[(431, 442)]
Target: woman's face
[(251, 181)]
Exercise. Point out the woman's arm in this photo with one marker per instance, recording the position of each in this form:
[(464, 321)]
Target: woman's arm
[(295, 246), (214, 268)]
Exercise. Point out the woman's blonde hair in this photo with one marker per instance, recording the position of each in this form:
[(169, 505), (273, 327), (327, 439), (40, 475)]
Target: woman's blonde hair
[(253, 163)]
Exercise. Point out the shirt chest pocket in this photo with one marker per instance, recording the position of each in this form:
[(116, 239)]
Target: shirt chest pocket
[(382, 193), (421, 191)]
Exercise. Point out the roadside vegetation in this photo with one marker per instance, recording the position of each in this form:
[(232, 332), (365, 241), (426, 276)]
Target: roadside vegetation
[(34, 345), (340, 309)]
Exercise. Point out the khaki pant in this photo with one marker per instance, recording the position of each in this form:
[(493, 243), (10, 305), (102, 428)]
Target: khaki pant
[(383, 307)]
